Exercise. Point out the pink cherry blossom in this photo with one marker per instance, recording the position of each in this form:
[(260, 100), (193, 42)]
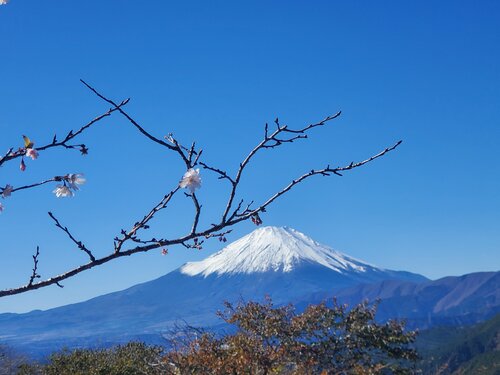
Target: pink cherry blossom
[(32, 153)]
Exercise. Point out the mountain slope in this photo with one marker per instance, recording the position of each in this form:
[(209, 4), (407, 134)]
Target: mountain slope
[(469, 350), (273, 249), (453, 300), (281, 262)]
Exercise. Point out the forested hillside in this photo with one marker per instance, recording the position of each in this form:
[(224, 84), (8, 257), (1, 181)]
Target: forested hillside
[(469, 350)]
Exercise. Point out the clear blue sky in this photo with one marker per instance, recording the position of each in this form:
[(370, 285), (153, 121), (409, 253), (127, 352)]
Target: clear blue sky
[(426, 72)]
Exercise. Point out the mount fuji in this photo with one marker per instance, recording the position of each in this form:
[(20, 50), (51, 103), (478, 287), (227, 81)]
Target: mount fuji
[(274, 251), (280, 262)]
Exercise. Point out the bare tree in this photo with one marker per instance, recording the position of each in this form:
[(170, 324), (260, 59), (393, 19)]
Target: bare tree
[(134, 240)]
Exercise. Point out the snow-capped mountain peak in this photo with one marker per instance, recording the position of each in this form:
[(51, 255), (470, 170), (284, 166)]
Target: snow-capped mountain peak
[(273, 249)]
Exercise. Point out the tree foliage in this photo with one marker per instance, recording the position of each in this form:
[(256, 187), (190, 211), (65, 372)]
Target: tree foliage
[(462, 350), (130, 359), (322, 339), (9, 360)]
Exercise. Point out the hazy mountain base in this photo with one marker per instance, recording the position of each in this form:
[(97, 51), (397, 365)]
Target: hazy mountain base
[(144, 312), (444, 351), (268, 339), (279, 262), (156, 306)]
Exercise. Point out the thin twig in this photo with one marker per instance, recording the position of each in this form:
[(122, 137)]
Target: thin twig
[(143, 223), (265, 144), (34, 274), (197, 213), (36, 184), (192, 236), (325, 172), (175, 147), (79, 244), (222, 174), (10, 155)]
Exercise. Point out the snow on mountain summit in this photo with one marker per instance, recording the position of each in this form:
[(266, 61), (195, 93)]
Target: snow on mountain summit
[(273, 249)]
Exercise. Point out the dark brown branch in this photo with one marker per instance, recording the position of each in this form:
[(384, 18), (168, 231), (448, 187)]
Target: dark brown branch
[(140, 128), (143, 224), (324, 172), (197, 158), (236, 210), (34, 274), (79, 244), (192, 236), (220, 235), (278, 142), (222, 173), (269, 141), (247, 210), (191, 152), (36, 184), (115, 255), (10, 155), (174, 146), (3, 158), (53, 179), (190, 157), (197, 213), (72, 134)]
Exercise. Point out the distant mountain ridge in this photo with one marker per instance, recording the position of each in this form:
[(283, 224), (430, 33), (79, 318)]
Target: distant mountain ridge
[(280, 262), (452, 300)]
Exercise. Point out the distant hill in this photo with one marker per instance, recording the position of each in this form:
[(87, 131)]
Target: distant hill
[(471, 350), (281, 262), (453, 300)]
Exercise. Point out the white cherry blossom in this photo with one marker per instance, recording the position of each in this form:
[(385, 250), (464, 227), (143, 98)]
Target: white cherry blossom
[(7, 190), (75, 179), (63, 191), (191, 180)]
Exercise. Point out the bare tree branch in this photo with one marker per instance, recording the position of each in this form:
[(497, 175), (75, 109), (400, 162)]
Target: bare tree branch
[(129, 241), (34, 274), (80, 244), (197, 213), (11, 154), (222, 173), (192, 236), (143, 224), (324, 172), (174, 146), (269, 141), (36, 184), (10, 189)]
